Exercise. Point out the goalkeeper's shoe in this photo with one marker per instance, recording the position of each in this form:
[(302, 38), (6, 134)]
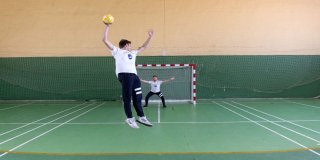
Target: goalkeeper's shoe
[(143, 120)]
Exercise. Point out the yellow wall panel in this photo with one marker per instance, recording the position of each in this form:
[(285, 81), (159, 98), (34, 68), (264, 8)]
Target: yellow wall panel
[(182, 27)]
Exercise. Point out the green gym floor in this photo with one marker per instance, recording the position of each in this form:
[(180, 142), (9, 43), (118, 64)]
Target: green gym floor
[(222, 129)]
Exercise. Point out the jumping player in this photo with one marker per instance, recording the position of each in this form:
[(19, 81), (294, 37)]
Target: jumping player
[(155, 89), (126, 72)]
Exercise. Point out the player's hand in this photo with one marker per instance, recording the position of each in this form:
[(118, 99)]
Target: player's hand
[(107, 24), (150, 32), (172, 78)]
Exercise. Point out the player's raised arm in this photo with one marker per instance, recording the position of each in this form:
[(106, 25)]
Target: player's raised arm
[(171, 79), (146, 43), (105, 38)]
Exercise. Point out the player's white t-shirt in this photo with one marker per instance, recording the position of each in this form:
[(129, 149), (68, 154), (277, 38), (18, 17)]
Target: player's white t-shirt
[(155, 86), (125, 60)]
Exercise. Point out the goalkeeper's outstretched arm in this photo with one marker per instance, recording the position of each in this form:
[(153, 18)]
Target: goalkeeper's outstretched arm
[(171, 79), (144, 81)]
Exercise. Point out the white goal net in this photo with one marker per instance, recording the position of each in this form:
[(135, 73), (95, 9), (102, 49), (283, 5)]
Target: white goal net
[(181, 89)]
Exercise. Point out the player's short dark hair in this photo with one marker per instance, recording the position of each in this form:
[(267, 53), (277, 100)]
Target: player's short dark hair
[(154, 76), (124, 42)]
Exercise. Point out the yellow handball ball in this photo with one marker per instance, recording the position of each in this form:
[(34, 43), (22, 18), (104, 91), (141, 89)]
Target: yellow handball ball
[(108, 19)]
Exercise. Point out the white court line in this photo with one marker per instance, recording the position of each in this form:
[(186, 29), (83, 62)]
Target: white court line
[(275, 132), (262, 102), (159, 113), (302, 104), (44, 133), (277, 117), (27, 124), (303, 135), (42, 125), (20, 105), (184, 122), (237, 122)]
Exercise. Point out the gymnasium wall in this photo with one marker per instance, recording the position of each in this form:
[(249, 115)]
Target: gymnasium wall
[(50, 28), (52, 49), (80, 78)]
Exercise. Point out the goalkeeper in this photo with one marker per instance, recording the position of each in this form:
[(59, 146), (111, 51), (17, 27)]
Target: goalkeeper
[(155, 89)]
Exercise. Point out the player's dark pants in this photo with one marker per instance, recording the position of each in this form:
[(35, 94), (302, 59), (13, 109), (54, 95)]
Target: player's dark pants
[(131, 87), (157, 93)]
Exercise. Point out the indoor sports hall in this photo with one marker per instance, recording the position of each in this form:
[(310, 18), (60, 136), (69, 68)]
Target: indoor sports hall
[(243, 80)]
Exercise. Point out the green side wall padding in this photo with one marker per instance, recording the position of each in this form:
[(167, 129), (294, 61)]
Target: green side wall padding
[(87, 78)]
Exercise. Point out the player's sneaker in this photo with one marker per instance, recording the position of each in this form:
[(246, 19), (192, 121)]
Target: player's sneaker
[(145, 106), (143, 120), (132, 123)]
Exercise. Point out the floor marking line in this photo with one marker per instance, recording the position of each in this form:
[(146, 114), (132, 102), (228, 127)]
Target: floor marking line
[(20, 105), (44, 133), (177, 122), (27, 124), (302, 104), (159, 113), (156, 153), (42, 125), (303, 135), (277, 117), (275, 132)]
